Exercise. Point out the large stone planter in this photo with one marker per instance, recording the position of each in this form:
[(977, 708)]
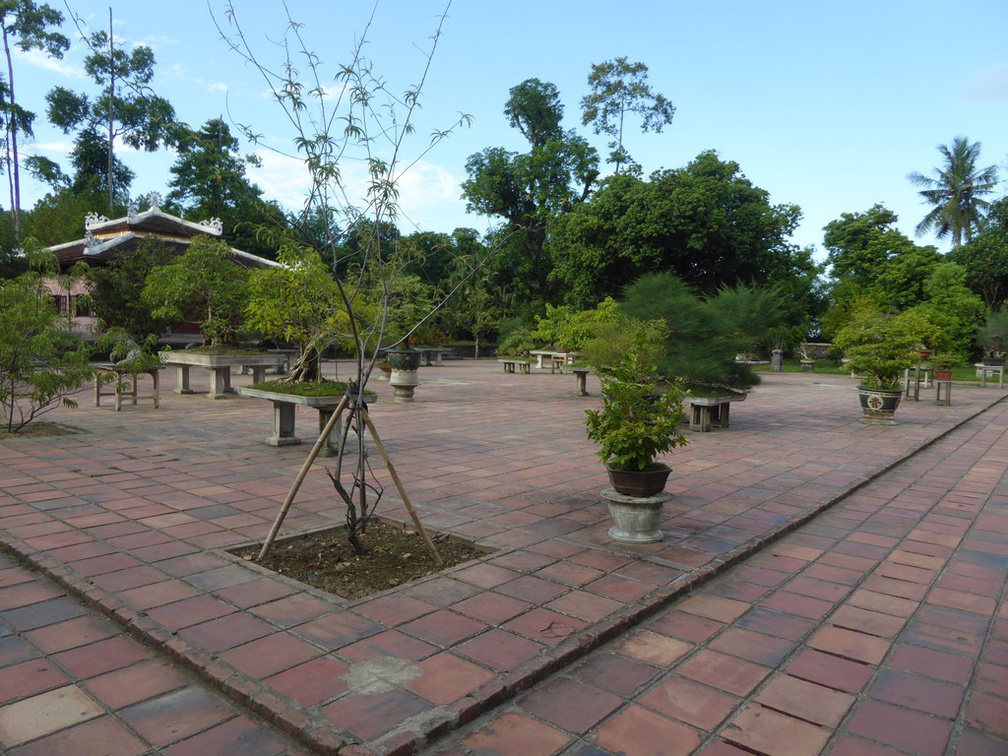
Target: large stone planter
[(635, 519), (219, 364), (879, 405), (403, 378), (284, 413)]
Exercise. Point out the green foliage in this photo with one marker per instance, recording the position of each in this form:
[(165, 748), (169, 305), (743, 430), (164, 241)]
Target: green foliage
[(985, 258), (566, 328), (618, 88), (953, 309), (28, 26), (42, 362), (992, 336), (129, 353), (704, 336), (117, 287), (203, 285), (880, 345), (299, 301), (516, 343), (615, 338), (640, 415)]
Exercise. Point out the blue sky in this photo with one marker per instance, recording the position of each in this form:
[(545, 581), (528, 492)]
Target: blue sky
[(825, 105)]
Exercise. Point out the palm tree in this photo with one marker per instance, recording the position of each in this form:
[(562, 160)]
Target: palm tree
[(956, 192)]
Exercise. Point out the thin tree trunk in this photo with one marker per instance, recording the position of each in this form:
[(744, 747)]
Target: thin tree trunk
[(111, 118), (13, 175)]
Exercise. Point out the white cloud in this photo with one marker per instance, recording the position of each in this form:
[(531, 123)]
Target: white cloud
[(428, 193), (38, 59), (990, 85)]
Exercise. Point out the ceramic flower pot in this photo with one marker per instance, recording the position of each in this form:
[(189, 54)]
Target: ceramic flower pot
[(642, 483)]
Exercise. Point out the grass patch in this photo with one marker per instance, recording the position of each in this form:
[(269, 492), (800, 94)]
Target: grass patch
[(307, 388)]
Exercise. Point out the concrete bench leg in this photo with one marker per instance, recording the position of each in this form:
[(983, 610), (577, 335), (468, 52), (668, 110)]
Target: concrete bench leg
[(283, 426), (524, 367), (582, 384), (182, 380), (258, 374), (220, 382), (330, 449), (700, 418)]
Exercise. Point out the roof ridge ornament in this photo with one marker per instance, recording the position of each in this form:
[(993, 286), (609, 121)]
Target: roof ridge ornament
[(214, 224), (93, 219)]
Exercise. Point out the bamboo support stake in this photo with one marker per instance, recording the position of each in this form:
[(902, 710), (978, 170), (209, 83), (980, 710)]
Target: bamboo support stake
[(399, 487), (312, 455)]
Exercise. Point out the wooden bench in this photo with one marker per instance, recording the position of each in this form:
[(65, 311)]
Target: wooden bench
[(524, 366), (119, 381), (707, 412)]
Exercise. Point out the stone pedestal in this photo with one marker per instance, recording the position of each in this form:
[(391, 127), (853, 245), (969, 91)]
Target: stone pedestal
[(403, 384), (635, 519)]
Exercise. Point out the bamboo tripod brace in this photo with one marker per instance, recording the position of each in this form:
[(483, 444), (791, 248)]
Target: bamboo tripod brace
[(313, 454)]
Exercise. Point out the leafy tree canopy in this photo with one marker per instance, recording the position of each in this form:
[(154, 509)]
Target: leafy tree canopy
[(204, 285), (705, 223)]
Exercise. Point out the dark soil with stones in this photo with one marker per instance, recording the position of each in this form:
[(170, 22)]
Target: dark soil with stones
[(395, 555)]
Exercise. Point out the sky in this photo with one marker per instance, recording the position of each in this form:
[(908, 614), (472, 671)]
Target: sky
[(825, 105)]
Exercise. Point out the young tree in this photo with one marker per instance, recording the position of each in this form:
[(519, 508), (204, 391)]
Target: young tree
[(956, 192), (203, 285), (28, 26), (354, 117), (127, 107), (298, 301), (619, 87), (42, 361)]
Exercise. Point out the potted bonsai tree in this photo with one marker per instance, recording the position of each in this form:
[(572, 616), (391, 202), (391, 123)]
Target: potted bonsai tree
[(639, 420), (879, 347)]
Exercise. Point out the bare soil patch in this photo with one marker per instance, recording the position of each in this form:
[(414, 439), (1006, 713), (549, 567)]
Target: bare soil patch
[(396, 555), (40, 429)]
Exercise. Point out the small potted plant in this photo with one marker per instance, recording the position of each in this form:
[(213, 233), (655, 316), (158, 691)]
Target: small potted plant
[(880, 347), (639, 420)]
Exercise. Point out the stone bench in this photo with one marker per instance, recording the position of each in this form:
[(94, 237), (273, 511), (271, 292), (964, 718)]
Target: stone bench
[(524, 366), (285, 412), (581, 374), (707, 412)]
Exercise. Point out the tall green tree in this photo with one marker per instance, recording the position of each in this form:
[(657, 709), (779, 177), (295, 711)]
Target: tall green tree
[(26, 25), (619, 87), (956, 192), (127, 107), (705, 223), (209, 181), (529, 190)]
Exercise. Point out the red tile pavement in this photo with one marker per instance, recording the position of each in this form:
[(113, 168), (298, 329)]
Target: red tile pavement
[(822, 580)]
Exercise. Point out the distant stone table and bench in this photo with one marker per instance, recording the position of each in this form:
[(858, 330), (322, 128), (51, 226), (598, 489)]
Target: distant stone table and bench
[(707, 412), (509, 363)]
